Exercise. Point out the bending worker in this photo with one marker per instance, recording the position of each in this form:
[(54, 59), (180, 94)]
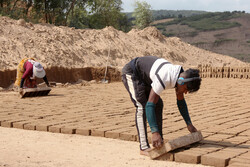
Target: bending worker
[(27, 72), (145, 78)]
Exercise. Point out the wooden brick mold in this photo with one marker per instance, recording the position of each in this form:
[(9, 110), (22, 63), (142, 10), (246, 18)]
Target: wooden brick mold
[(33, 92), (175, 144)]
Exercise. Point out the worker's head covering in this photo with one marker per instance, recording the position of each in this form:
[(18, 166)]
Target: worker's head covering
[(38, 70)]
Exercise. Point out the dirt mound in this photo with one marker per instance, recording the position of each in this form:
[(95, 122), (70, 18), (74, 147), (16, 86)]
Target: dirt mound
[(74, 48), (148, 33)]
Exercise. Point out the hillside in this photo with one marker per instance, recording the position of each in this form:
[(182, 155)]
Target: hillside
[(68, 47), (224, 33), (163, 14)]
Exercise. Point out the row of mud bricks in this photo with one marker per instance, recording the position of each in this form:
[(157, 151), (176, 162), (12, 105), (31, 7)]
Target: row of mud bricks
[(206, 152), (207, 71)]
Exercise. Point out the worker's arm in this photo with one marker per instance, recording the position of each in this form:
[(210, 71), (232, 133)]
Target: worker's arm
[(151, 117), (46, 80), (26, 74), (182, 106)]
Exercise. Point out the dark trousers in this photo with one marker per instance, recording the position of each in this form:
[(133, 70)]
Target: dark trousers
[(139, 94)]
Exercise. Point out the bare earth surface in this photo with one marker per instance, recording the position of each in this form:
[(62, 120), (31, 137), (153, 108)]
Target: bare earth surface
[(220, 110), (41, 149)]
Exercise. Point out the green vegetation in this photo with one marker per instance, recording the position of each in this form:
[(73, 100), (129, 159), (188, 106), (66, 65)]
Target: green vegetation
[(199, 43), (165, 14), (142, 14), (79, 14), (221, 41), (207, 21), (248, 41)]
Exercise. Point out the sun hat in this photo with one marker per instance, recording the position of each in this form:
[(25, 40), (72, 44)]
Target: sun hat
[(38, 70)]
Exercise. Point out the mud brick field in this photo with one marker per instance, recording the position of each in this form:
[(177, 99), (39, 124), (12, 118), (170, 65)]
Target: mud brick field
[(220, 109)]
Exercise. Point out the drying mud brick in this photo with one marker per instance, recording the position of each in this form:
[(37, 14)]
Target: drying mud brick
[(33, 92), (98, 132), (7, 124), (176, 143), (68, 130), (112, 134), (193, 157), (83, 131), (239, 160), (243, 158), (166, 157), (55, 129), (10, 123), (221, 158), (128, 136), (115, 134), (20, 125), (239, 164), (42, 128), (30, 126)]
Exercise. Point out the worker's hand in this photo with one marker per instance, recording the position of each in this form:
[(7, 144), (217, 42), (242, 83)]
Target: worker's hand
[(191, 128), (157, 140)]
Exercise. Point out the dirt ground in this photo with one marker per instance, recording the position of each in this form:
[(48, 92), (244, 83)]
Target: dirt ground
[(220, 110), (41, 149)]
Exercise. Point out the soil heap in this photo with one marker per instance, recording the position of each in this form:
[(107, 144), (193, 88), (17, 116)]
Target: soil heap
[(74, 48)]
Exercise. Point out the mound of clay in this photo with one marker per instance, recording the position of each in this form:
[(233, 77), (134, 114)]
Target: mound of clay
[(69, 47)]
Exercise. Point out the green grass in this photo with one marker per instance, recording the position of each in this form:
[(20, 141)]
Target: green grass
[(209, 24), (221, 41), (199, 43)]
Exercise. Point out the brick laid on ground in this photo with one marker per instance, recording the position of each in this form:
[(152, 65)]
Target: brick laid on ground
[(193, 155), (221, 158)]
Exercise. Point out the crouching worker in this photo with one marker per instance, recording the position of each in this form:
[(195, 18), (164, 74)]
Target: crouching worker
[(27, 72), (145, 78)]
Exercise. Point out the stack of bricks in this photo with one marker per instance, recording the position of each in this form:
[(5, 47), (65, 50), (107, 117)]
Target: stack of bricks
[(207, 71)]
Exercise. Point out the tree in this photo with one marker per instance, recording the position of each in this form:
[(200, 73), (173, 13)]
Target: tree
[(74, 13), (142, 14), (78, 18), (105, 13)]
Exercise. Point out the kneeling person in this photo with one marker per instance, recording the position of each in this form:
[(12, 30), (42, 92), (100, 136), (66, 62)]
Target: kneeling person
[(27, 72)]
